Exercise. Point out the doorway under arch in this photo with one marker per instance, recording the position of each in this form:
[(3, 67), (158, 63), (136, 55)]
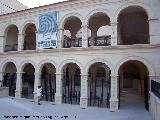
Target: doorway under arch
[(28, 81), (99, 85), (133, 84), (48, 82), (9, 78), (71, 83)]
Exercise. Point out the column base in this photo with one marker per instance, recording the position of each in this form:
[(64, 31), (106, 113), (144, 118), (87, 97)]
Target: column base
[(114, 104), (58, 99), (18, 94), (83, 102)]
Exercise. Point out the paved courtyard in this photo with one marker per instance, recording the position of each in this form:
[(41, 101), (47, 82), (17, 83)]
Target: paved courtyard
[(11, 109)]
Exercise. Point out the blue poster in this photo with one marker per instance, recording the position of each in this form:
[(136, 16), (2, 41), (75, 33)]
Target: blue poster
[(47, 31)]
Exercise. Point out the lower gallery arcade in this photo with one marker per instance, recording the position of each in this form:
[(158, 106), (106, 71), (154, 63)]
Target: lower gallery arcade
[(96, 85)]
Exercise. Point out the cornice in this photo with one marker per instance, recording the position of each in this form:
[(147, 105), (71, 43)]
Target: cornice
[(61, 6), (108, 49)]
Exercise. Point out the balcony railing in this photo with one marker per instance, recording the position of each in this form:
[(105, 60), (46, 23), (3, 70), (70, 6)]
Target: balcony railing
[(68, 42), (11, 47), (99, 41)]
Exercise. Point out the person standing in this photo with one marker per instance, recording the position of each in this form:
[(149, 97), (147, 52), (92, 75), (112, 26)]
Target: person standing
[(39, 94)]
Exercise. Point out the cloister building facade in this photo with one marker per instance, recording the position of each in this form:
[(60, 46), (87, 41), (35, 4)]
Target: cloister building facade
[(107, 51)]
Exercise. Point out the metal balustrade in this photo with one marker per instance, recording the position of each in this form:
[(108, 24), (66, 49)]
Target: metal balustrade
[(11, 47), (68, 42), (99, 41)]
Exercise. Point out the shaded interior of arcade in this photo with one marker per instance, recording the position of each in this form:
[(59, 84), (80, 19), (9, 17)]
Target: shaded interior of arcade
[(133, 84), (133, 26), (99, 85)]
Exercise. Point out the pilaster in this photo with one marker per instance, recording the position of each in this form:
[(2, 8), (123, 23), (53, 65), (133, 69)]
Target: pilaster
[(20, 42), (84, 95), (60, 38), (2, 43), (1, 79), (85, 36), (114, 93), (114, 40), (58, 95), (18, 92), (36, 84)]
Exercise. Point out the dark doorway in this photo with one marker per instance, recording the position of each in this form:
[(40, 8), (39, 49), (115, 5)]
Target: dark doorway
[(133, 84), (71, 84), (48, 82), (9, 78), (99, 85)]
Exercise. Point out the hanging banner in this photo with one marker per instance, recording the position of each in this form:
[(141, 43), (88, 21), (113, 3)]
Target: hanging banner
[(47, 31)]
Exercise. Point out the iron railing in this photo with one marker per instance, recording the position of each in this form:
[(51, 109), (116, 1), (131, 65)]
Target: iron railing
[(99, 41), (68, 42), (11, 47)]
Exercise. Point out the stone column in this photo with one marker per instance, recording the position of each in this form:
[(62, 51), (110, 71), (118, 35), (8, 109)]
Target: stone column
[(58, 95), (1, 79), (60, 37), (2, 43), (85, 36), (114, 93), (36, 84), (153, 33), (84, 91), (36, 39), (20, 42), (114, 40), (18, 92)]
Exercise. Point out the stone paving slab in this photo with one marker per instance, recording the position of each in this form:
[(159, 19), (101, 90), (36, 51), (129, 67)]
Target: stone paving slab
[(25, 108)]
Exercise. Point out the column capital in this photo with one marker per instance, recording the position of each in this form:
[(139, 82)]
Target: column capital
[(2, 36), (84, 26), (60, 29), (20, 72), (84, 74), (114, 76), (113, 23), (59, 73), (152, 19)]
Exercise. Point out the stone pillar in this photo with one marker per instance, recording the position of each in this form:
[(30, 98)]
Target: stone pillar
[(85, 36), (1, 79), (20, 42), (114, 93), (36, 40), (60, 38), (58, 95), (114, 40), (84, 91), (153, 31), (2, 43), (36, 84), (18, 92)]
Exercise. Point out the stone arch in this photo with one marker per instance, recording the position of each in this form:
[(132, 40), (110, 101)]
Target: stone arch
[(99, 60), (7, 26), (146, 8), (64, 19), (43, 62), (136, 58), (25, 25), (22, 65), (5, 62), (100, 10), (62, 64)]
